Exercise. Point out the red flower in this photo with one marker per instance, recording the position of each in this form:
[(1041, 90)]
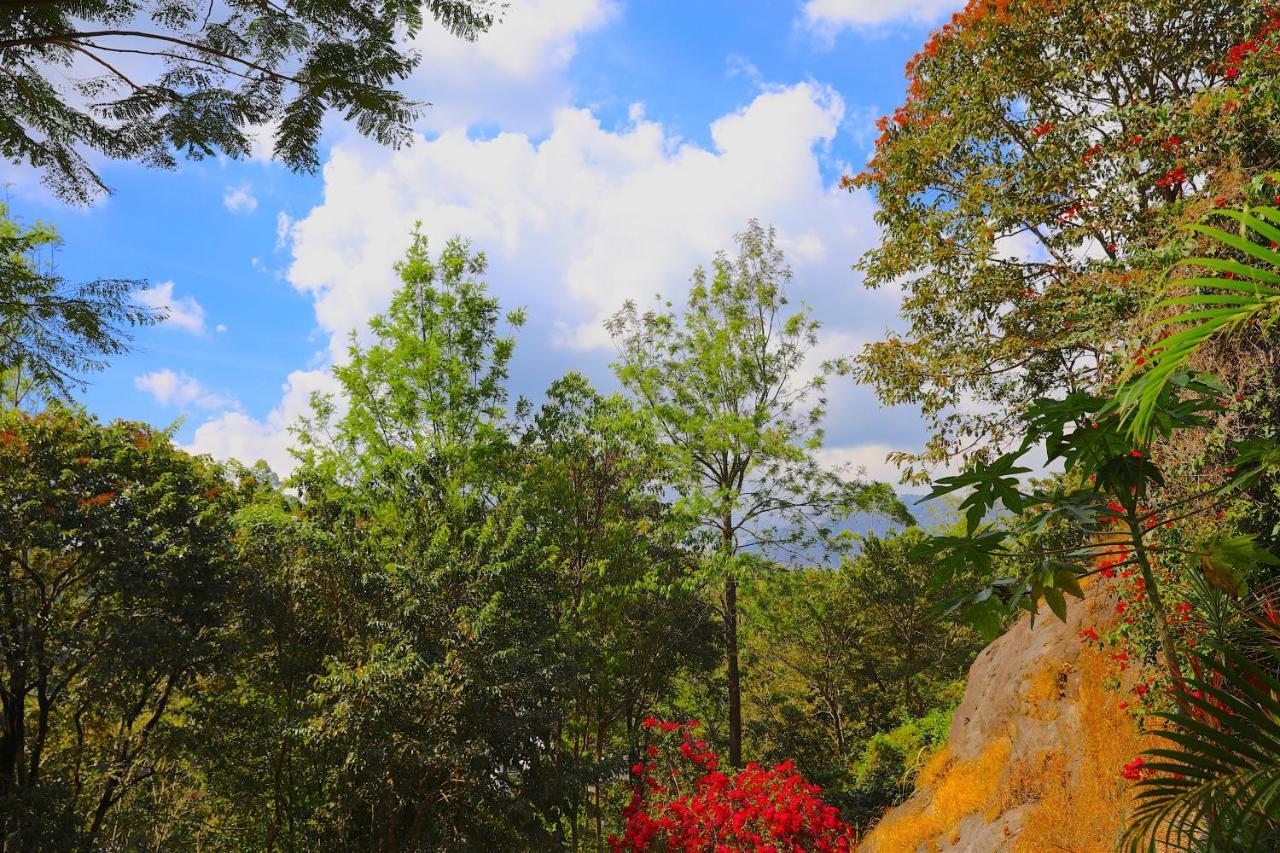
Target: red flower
[(1133, 771), (1043, 128), (1171, 178), (706, 810)]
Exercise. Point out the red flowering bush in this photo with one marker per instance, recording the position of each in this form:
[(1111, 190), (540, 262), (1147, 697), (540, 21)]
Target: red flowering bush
[(683, 802)]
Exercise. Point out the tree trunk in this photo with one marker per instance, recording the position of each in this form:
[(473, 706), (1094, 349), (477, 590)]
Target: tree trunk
[(734, 676)]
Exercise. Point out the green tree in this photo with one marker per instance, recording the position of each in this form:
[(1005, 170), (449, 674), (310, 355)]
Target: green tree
[(189, 78), (115, 576), (840, 656), (52, 331), (725, 381), (443, 697), (631, 623), (1044, 155)]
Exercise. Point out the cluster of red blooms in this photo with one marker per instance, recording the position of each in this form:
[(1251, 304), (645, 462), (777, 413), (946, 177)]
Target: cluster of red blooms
[(1172, 178), (682, 802), (1133, 771), (1238, 54)]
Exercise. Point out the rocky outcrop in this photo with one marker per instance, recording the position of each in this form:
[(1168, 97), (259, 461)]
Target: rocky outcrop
[(1033, 757)]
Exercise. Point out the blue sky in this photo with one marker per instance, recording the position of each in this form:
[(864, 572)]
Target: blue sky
[(595, 149)]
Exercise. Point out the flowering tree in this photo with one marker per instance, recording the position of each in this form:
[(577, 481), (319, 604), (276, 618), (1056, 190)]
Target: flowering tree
[(682, 801), (1027, 184)]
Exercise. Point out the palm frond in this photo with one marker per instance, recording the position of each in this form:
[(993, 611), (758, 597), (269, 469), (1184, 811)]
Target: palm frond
[(1214, 785), (1233, 291)]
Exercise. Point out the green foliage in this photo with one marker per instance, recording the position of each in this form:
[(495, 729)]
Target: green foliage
[(723, 380), (1065, 528), (52, 331), (1242, 292), (1215, 783), (1026, 231), (888, 764), (116, 584), (839, 658), (218, 72), (442, 696)]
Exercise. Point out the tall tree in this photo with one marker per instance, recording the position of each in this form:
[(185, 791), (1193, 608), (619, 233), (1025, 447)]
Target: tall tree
[(1045, 152), (114, 597), (443, 698), (162, 78), (52, 331), (725, 380), (631, 622)]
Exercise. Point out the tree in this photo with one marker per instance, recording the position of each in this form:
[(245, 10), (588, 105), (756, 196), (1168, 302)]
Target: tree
[(1044, 155), (841, 655), (631, 623), (52, 331), (114, 594), (194, 79), (724, 381), (444, 694)]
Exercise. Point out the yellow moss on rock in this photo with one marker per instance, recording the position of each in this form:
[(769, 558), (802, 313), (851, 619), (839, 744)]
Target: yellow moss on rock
[(1084, 811), (957, 789)]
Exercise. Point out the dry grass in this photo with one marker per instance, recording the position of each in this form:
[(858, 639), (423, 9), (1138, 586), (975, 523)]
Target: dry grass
[(957, 789), (1082, 811), (1074, 800)]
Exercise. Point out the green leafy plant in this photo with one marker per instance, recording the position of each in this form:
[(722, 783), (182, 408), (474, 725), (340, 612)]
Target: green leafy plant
[(1100, 516), (1214, 783), (1239, 286)]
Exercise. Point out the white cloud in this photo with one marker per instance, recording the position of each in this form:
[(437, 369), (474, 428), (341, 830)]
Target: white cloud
[(179, 389), (184, 312), (834, 15), (284, 226), (573, 223), (588, 217), (240, 199), (513, 74), (220, 328), (235, 435), (871, 459)]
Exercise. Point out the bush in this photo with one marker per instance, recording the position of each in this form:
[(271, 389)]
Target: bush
[(682, 801)]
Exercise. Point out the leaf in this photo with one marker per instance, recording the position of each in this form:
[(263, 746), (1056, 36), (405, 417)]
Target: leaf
[(1056, 601), (1226, 562)]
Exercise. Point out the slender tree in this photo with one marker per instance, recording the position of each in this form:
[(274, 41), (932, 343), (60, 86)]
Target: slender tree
[(726, 381)]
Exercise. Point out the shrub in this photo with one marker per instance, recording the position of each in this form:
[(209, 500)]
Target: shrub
[(683, 801)]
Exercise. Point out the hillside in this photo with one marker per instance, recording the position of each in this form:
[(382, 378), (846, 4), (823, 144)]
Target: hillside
[(1035, 749)]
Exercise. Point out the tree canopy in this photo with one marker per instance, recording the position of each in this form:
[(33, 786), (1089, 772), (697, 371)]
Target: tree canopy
[(1044, 156), (52, 332), (163, 79)]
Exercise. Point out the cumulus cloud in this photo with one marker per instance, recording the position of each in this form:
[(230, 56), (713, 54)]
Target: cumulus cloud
[(182, 311), (235, 435), (179, 389), (574, 222), (834, 15), (587, 217), (513, 74), (240, 199)]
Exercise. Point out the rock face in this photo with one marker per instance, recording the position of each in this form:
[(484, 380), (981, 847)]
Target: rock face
[(1033, 757)]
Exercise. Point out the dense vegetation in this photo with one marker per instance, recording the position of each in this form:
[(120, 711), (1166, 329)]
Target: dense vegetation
[(449, 628), (463, 619)]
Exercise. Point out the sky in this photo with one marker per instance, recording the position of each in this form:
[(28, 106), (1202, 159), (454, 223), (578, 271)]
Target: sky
[(595, 150)]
